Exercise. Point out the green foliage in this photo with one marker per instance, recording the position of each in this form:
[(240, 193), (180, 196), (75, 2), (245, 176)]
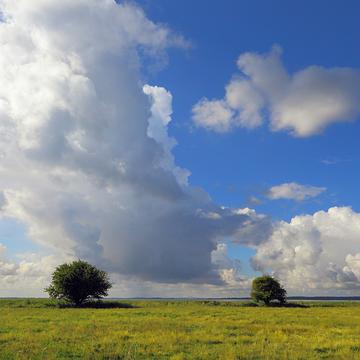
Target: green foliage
[(78, 282), (267, 289)]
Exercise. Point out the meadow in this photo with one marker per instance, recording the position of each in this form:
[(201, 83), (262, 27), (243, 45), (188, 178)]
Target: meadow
[(38, 329)]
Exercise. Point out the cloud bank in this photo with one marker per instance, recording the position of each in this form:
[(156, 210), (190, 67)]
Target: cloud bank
[(303, 103), (317, 253), (86, 161)]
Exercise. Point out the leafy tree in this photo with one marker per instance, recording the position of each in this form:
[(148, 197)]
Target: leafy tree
[(78, 282), (266, 289)]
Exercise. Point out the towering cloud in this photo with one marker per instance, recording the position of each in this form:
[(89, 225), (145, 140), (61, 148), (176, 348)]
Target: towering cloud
[(87, 164), (303, 103), (86, 161)]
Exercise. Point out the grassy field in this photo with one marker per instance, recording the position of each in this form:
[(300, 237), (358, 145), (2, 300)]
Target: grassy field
[(36, 329)]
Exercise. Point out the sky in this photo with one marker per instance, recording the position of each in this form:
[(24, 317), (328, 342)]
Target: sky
[(184, 147)]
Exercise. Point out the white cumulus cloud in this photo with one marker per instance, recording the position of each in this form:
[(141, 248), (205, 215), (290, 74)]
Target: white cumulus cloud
[(294, 191), (26, 275), (314, 253), (215, 114), (304, 103)]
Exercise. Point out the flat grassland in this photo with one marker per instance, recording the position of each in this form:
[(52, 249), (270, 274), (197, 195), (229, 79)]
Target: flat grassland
[(37, 329)]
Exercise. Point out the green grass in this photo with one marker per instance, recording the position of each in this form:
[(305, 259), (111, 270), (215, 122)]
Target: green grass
[(37, 329)]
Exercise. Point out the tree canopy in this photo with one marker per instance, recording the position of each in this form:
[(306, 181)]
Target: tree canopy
[(78, 282), (267, 289)]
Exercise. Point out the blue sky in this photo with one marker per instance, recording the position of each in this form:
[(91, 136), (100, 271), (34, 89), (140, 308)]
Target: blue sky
[(235, 166), (290, 175), (242, 163)]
